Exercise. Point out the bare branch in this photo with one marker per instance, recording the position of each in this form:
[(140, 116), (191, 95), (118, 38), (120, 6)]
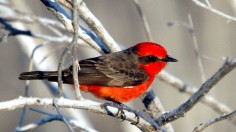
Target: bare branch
[(196, 49), (74, 51), (45, 120), (62, 116), (26, 94), (189, 26), (208, 100), (28, 44), (41, 111), (82, 104), (52, 117), (215, 11), (144, 20), (29, 19), (149, 99), (14, 31), (208, 3), (204, 125), (154, 107), (228, 66), (97, 27), (66, 20), (94, 24)]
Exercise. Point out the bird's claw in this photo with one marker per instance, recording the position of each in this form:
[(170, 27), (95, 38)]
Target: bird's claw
[(136, 116), (122, 114), (121, 107)]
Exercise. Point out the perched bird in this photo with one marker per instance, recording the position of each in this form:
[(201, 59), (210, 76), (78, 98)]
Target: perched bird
[(120, 76)]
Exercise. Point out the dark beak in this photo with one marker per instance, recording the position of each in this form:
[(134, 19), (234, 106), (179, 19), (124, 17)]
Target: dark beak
[(169, 59)]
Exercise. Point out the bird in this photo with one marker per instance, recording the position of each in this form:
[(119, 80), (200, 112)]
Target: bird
[(119, 76)]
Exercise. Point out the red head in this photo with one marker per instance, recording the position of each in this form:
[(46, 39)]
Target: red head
[(152, 57)]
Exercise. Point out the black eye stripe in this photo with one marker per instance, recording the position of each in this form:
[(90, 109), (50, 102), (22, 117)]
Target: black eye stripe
[(148, 59)]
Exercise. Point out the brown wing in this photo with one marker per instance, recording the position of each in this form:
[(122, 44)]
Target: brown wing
[(111, 70)]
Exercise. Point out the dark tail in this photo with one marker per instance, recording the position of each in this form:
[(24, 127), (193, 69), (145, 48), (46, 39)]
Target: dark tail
[(38, 75), (48, 75)]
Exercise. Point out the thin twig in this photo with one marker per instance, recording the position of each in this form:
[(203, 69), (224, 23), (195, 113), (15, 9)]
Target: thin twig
[(216, 105), (172, 115), (37, 123), (204, 125), (149, 99), (60, 68), (208, 3), (144, 21), (62, 115), (215, 11), (41, 112), (28, 45), (29, 19), (189, 26), (51, 118), (14, 31), (74, 51), (67, 22), (84, 34), (46, 56), (196, 49), (183, 87), (94, 24), (154, 107), (27, 83)]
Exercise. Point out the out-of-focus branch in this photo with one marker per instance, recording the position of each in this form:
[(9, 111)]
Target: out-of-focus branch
[(67, 22), (26, 94), (196, 49), (93, 23), (144, 20), (73, 122), (215, 11), (28, 46), (53, 25), (208, 3), (172, 115), (30, 19), (204, 125), (208, 100), (182, 86), (150, 99), (14, 31), (40, 122), (82, 104), (190, 28), (62, 116)]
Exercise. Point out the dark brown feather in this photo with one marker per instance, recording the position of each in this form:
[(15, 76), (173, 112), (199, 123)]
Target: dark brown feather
[(117, 69)]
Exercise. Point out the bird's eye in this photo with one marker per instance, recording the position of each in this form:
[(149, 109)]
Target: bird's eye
[(151, 58), (148, 59)]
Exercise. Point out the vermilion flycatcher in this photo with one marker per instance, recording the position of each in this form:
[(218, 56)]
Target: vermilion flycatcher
[(120, 76)]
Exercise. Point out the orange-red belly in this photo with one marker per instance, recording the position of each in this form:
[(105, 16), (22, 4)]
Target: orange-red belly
[(118, 94)]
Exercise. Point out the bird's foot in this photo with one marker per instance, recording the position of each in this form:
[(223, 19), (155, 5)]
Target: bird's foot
[(121, 107)]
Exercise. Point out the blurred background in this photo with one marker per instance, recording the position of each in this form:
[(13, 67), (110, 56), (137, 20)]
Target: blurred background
[(215, 36)]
